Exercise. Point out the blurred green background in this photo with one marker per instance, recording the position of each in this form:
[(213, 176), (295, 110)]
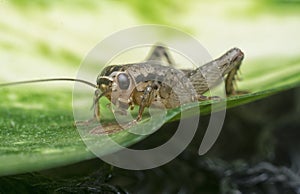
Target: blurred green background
[(50, 38)]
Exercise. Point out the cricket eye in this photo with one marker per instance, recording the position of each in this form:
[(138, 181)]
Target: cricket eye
[(123, 81)]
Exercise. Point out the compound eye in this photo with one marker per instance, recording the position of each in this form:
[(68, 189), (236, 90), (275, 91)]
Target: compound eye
[(123, 81)]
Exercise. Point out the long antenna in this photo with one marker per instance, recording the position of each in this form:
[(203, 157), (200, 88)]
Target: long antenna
[(48, 80)]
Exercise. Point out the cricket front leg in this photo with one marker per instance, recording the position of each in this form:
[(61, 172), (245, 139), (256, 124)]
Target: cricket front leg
[(96, 106), (96, 118), (96, 109), (97, 112)]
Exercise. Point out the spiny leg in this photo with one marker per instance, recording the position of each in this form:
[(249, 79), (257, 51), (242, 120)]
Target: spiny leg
[(146, 99), (160, 53), (230, 81)]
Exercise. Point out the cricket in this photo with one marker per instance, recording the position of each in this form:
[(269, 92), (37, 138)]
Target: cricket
[(151, 82)]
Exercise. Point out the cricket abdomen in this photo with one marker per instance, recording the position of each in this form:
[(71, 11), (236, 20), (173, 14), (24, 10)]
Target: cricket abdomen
[(212, 73)]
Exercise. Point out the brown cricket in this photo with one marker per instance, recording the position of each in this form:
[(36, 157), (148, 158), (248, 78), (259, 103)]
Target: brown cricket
[(150, 82)]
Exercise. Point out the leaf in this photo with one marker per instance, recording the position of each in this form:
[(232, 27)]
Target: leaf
[(37, 132)]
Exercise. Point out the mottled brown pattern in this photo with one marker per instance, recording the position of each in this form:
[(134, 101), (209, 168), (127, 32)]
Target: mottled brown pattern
[(151, 83)]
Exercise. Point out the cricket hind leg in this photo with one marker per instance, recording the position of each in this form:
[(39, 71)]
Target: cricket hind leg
[(230, 82), (160, 53)]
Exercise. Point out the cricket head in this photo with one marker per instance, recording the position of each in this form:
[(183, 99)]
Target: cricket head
[(115, 84)]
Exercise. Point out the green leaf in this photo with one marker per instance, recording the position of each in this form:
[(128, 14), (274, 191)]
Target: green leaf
[(37, 127), (37, 132)]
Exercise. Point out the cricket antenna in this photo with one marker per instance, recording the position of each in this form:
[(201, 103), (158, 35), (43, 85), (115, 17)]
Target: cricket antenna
[(48, 80)]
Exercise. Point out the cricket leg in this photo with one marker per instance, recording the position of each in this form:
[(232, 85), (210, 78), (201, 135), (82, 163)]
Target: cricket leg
[(96, 107), (203, 98), (97, 112), (160, 53), (230, 82), (146, 100)]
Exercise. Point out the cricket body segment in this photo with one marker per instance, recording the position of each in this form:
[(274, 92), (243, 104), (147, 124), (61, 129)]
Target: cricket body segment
[(211, 74), (151, 83)]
